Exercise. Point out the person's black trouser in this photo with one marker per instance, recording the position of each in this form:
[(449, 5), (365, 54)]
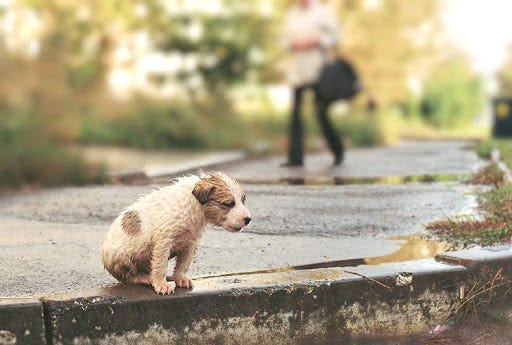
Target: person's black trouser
[(296, 149)]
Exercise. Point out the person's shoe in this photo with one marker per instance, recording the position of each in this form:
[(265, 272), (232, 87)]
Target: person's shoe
[(291, 164)]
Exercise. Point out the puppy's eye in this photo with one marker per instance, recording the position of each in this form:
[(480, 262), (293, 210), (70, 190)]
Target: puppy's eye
[(230, 204), (243, 199)]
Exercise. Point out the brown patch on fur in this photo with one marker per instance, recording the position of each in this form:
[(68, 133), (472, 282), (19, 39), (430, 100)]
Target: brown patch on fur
[(217, 209), (130, 267), (143, 261), (203, 191), (131, 223), (123, 270)]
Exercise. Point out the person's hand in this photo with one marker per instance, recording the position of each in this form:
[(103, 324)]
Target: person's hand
[(305, 43)]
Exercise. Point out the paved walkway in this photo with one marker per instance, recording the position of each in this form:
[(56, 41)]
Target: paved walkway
[(414, 158), (50, 239)]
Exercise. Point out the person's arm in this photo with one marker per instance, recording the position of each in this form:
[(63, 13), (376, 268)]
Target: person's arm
[(330, 31)]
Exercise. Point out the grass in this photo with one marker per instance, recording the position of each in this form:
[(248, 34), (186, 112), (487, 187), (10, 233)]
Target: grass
[(494, 228), (496, 206), (30, 154), (33, 144), (489, 175), (484, 149), (504, 146), (174, 125)]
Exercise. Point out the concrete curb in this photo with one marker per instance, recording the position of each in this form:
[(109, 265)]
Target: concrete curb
[(496, 158), (199, 164), (21, 322), (274, 308), (166, 173), (290, 307)]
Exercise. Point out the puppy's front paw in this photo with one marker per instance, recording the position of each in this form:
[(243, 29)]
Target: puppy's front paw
[(184, 283), (164, 288)]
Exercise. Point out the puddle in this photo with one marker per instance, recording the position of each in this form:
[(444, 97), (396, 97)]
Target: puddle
[(388, 180), (414, 247), (286, 269)]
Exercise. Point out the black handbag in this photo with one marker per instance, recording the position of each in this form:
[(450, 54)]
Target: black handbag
[(338, 81)]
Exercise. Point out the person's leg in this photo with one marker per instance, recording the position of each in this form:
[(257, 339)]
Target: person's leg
[(330, 133), (295, 149)]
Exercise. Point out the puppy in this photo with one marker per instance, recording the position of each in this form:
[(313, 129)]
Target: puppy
[(169, 223)]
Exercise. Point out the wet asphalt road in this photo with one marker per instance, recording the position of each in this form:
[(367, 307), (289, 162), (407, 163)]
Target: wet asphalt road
[(50, 239)]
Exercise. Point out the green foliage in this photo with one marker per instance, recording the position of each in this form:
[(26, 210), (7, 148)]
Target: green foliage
[(147, 126), (81, 76), (230, 47), (179, 125), (384, 43), (453, 97), (496, 226), (484, 149), (85, 38), (173, 126), (361, 130), (30, 155), (504, 146)]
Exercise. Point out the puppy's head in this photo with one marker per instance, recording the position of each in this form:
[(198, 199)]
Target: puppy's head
[(223, 199)]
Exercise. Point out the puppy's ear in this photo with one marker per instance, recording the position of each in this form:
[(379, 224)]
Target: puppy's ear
[(203, 191)]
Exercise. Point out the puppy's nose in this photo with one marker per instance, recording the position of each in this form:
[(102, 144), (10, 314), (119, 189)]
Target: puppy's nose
[(247, 220)]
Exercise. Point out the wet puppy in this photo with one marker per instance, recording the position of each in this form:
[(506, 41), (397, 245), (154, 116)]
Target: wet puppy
[(169, 222)]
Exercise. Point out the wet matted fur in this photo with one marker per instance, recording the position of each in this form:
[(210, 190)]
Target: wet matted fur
[(169, 223)]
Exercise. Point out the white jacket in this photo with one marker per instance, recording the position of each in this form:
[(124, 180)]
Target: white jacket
[(317, 20)]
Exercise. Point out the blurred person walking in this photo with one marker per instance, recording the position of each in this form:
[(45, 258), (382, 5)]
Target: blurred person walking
[(310, 31)]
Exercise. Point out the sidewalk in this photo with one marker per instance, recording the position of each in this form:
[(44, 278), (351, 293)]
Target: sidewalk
[(51, 238)]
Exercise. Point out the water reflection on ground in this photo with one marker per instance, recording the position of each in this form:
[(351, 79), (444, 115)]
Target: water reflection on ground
[(414, 247)]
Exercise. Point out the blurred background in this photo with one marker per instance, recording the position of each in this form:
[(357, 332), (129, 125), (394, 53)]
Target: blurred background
[(89, 86)]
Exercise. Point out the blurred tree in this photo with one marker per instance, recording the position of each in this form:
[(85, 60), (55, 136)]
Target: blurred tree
[(453, 96), (65, 74), (79, 43), (212, 44), (390, 40), (221, 42), (234, 44)]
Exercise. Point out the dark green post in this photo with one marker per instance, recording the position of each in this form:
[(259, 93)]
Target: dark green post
[(502, 110)]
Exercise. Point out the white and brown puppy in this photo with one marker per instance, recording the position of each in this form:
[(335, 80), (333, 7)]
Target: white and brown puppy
[(169, 222)]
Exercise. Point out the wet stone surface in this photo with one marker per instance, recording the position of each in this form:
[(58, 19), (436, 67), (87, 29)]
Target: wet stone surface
[(414, 158), (51, 239)]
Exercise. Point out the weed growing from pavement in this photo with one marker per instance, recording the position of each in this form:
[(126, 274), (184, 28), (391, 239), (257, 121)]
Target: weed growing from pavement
[(484, 149), (482, 317), (490, 175), (496, 206), (504, 146), (484, 314)]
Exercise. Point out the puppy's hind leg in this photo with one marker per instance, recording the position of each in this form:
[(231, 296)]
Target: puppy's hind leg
[(142, 279)]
